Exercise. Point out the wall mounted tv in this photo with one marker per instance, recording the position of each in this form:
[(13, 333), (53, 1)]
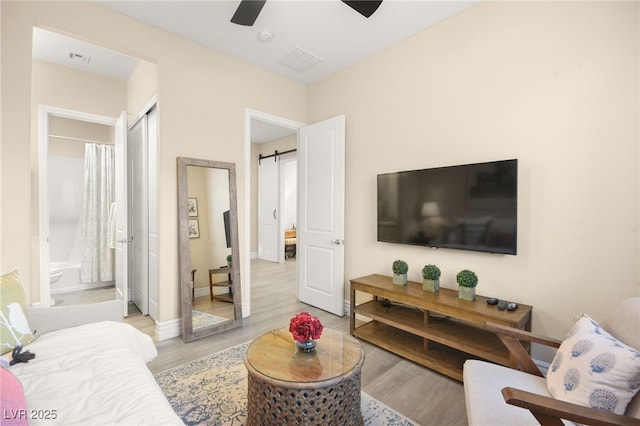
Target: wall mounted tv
[(467, 207)]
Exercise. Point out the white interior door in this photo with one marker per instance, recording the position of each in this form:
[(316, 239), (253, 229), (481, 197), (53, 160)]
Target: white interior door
[(122, 221), (268, 229), (153, 211), (320, 236), (139, 215), (288, 196)]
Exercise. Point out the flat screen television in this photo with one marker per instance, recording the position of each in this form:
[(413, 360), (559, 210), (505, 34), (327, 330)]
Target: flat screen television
[(227, 228), (467, 207)]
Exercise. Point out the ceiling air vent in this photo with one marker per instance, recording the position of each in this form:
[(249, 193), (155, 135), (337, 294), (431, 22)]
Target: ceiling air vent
[(299, 60), (78, 57)]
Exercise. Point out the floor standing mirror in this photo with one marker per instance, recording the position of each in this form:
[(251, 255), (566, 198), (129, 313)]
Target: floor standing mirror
[(208, 247)]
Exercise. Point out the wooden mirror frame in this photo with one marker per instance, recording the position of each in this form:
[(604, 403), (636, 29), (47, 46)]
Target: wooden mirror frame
[(184, 250)]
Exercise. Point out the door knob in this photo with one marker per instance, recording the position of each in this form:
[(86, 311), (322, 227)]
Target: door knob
[(337, 242)]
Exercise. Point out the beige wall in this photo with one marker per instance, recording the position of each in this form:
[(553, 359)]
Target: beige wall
[(202, 97), (141, 86), (554, 84), (200, 248), (67, 128)]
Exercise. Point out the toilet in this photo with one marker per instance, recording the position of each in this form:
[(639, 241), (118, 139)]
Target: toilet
[(54, 276)]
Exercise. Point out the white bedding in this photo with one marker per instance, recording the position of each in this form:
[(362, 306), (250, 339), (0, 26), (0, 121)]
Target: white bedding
[(94, 374)]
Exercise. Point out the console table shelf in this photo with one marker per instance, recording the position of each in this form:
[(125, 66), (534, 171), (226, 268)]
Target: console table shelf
[(225, 297), (436, 330)]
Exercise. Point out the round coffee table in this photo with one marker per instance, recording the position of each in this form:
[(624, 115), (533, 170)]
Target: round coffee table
[(290, 387)]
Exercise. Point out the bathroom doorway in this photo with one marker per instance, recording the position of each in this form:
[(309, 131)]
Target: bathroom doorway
[(81, 196), (85, 86), (77, 195)]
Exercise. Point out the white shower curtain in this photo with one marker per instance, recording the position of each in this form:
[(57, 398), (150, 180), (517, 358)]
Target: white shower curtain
[(99, 194)]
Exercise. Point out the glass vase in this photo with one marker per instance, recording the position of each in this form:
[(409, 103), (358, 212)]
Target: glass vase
[(306, 346)]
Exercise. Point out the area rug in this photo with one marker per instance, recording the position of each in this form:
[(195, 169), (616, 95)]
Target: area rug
[(213, 391), (202, 319)]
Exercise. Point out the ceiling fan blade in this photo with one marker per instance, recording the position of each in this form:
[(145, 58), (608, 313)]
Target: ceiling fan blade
[(247, 12), (363, 7)]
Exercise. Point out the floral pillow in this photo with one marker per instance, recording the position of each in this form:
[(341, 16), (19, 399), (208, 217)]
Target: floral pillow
[(594, 369), (14, 327)]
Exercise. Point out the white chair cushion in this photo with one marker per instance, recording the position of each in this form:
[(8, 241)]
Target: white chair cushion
[(483, 384)]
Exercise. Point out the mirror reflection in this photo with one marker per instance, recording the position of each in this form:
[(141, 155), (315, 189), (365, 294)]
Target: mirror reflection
[(210, 241), (208, 247)]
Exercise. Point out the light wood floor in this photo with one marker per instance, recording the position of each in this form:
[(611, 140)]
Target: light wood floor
[(424, 396)]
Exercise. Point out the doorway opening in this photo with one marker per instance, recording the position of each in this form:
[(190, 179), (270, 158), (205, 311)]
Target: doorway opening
[(76, 192), (277, 202), (265, 132), (63, 137)]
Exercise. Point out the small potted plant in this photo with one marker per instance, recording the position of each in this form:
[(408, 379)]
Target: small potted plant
[(431, 278), (400, 269), (229, 257), (467, 282)]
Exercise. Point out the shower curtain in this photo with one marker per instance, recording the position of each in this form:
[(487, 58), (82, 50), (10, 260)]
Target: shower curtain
[(99, 194)]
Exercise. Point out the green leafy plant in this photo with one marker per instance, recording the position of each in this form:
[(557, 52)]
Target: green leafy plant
[(467, 278), (400, 267), (431, 272)]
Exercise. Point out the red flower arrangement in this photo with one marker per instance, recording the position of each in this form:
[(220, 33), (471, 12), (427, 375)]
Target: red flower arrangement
[(305, 326)]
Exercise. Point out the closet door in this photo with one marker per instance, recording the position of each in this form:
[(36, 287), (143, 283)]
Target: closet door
[(139, 215), (122, 221), (268, 229)]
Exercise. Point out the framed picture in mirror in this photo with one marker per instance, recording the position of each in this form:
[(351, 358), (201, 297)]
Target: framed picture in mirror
[(192, 207), (194, 228)]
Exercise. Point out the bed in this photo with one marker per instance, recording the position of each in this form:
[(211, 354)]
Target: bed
[(92, 374)]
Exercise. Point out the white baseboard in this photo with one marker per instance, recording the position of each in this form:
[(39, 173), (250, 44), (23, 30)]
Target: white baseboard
[(168, 329), (204, 291)]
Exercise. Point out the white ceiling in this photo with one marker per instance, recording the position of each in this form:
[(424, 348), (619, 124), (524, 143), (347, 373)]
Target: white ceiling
[(328, 30), (70, 52)]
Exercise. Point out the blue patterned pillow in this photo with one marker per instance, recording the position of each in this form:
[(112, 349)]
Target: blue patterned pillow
[(594, 369)]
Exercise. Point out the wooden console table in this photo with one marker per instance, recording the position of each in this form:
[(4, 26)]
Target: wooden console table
[(436, 330), (225, 297)]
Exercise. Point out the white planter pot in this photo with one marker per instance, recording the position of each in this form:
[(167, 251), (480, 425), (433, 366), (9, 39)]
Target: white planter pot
[(432, 286), (467, 293), (400, 279)]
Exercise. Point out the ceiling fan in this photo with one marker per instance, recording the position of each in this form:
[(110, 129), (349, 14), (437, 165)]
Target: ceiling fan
[(248, 10)]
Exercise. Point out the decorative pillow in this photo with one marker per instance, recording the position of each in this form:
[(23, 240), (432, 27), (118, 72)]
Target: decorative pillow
[(14, 328), (12, 400), (594, 369)]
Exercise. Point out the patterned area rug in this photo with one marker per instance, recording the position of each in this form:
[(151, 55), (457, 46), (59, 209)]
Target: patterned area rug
[(213, 391), (202, 319)]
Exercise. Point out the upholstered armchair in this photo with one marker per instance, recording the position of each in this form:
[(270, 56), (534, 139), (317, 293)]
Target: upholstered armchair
[(596, 365)]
